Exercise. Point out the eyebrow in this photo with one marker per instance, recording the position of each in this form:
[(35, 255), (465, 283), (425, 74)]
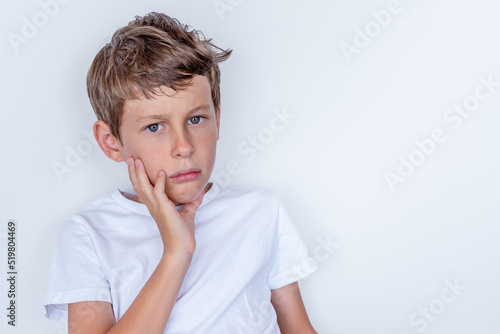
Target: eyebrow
[(162, 116)]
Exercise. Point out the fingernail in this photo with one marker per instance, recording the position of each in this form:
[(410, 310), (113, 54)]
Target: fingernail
[(127, 161), (160, 173), (137, 163)]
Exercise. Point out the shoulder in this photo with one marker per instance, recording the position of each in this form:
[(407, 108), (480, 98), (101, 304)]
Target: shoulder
[(105, 203), (248, 201), (93, 213)]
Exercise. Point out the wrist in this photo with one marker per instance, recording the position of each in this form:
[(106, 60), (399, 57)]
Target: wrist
[(179, 256)]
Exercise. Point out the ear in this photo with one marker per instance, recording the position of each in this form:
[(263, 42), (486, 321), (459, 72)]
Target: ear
[(108, 143), (217, 116)]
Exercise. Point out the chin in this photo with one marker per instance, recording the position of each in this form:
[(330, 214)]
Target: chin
[(186, 196)]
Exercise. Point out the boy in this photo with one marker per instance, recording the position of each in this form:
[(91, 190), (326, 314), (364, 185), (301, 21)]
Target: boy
[(181, 255)]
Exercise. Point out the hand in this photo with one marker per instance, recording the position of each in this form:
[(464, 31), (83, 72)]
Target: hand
[(176, 227)]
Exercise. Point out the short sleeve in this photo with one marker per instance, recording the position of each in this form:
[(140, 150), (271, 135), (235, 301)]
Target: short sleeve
[(290, 257), (76, 273)]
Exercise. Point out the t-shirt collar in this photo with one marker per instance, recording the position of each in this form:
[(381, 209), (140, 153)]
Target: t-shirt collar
[(123, 198)]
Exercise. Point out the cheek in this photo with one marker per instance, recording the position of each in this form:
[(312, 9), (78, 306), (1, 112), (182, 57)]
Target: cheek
[(130, 147), (153, 165), (149, 159), (147, 152), (208, 145), (209, 139)]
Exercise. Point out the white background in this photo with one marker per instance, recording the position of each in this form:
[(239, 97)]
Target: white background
[(355, 118)]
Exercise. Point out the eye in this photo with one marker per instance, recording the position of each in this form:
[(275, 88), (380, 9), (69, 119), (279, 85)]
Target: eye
[(153, 127), (196, 119)]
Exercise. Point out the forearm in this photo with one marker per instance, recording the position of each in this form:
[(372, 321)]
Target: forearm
[(151, 309)]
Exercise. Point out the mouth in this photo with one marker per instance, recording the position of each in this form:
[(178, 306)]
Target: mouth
[(185, 175)]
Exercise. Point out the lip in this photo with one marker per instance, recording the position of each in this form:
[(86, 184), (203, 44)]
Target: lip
[(186, 177), (185, 171)]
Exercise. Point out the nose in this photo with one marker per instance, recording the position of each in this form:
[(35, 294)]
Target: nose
[(182, 143)]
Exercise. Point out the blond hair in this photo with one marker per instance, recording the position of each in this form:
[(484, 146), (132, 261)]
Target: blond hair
[(151, 51)]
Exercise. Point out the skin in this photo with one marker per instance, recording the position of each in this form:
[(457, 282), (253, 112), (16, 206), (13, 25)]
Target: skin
[(186, 126), (160, 136)]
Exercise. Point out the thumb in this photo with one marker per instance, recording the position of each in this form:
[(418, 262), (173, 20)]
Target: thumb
[(191, 207)]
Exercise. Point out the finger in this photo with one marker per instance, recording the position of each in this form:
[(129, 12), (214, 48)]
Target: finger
[(159, 187), (160, 183), (191, 207), (159, 191), (144, 185), (132, 169), (131, 172)]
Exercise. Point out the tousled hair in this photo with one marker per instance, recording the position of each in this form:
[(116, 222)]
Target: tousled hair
[(151, 51)]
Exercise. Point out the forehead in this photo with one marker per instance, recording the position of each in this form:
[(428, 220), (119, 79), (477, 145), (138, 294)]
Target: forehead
[(167, 101)]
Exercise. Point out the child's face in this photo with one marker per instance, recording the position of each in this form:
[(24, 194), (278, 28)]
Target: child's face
[(174, 133)]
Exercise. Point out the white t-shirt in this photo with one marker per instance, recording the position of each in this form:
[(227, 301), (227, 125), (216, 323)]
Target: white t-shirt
[(246, 245)]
